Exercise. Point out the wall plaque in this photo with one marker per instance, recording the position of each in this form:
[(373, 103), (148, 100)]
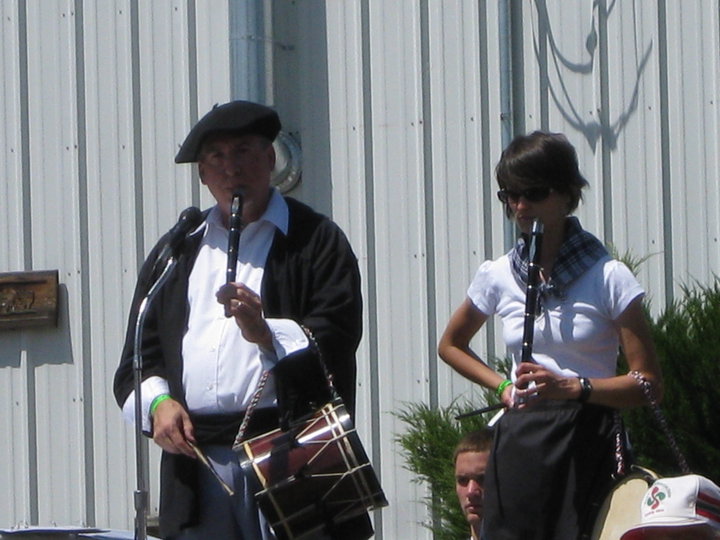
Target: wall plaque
[(28, 299)]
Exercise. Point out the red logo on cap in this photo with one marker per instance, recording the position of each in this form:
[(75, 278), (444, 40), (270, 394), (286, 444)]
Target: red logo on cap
[(655, 497)]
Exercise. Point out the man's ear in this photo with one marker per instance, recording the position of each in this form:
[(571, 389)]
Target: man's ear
[(201, 171), (271, 156)]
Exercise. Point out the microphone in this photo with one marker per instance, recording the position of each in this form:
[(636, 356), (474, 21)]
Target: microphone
[(189, 219), (234, 239)]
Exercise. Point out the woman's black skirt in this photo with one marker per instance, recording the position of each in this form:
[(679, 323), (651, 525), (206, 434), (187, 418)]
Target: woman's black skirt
[(549, 470)]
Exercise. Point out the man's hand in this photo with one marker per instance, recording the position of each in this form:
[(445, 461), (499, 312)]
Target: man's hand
[(172, 428), (246, 306)]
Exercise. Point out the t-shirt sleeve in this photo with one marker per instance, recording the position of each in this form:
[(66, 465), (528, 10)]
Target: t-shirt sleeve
[(482, 291), (623, 287)]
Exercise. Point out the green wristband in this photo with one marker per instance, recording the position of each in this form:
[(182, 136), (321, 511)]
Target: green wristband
[(157, 401), (501, 388)]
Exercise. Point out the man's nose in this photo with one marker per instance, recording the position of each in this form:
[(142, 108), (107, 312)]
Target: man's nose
[(230, 164), (474, 486)]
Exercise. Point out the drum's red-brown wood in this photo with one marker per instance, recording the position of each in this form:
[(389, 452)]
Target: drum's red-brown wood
[(313, 474)]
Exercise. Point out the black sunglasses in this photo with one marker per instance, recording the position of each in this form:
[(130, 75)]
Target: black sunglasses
[(535, 194)]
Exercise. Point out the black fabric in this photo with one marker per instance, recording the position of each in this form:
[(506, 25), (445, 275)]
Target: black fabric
[(238, 117), (311, 276), (308, 276), (221, 429), (357, 528), (550, 467), (301, 385)]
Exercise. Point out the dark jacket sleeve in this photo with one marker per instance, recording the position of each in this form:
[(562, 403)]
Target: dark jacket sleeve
[(312, 277)]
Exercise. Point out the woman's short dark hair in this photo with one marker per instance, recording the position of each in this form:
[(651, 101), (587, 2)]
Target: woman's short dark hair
[(541, 159)]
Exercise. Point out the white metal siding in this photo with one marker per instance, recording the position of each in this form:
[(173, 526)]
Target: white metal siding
[(402, 109)]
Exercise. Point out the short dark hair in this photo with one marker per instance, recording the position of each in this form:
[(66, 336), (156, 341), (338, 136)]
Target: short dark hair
[(475, 441), (541, 159)]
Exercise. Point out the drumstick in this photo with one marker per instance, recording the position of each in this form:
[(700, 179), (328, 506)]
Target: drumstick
[(201, 456), (484, 410)]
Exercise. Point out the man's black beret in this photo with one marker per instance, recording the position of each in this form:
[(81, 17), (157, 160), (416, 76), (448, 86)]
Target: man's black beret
[(237, 117)]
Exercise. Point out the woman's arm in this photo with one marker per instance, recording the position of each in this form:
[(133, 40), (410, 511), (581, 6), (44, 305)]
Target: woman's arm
[(637, 345), (454, 348), (618, 392)]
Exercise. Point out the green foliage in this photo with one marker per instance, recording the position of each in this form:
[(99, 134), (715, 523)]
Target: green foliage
[(687, 339), (631, 261), (428, 446)]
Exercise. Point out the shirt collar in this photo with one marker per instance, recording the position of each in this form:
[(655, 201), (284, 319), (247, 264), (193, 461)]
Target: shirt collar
[(276, 213)]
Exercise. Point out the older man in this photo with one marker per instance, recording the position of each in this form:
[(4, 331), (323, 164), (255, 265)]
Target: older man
[(207, 343)]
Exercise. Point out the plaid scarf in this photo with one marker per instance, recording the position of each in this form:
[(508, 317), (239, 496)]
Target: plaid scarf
[(580, 250)]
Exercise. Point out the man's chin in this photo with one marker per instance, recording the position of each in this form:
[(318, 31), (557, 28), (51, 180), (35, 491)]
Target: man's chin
[(473, 517)]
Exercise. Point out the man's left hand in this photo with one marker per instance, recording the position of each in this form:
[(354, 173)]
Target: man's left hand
[(245, 306)]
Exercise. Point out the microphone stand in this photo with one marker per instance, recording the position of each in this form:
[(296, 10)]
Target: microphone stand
[(141, 450)]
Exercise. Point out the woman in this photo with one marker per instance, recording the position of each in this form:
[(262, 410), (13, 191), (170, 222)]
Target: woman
[(553, 453)]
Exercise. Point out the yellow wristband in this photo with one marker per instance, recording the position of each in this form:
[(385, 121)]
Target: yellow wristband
[(501, 388), (157, 401)]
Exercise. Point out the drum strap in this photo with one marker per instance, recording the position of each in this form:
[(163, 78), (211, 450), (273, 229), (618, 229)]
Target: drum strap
[(620, 463), (660, 418), (240, 437), (261, 387)]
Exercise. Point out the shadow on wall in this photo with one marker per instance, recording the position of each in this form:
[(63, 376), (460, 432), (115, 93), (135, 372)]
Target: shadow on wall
[(555, 67)]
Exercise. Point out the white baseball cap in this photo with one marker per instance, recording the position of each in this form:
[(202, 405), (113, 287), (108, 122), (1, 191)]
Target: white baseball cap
[(684, 501)]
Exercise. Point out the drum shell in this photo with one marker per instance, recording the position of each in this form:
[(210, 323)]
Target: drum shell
[(314, 475), (621, 508)]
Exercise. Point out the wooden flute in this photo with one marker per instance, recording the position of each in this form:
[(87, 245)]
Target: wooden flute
[(531, 298), (233, 239)]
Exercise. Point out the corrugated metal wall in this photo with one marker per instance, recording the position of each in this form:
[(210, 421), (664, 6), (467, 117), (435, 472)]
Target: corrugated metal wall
[(402, 109)]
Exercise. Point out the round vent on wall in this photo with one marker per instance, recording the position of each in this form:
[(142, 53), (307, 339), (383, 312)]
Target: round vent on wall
[(288, 165)]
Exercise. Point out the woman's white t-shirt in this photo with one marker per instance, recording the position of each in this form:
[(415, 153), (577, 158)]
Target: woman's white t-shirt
[(573, 336)]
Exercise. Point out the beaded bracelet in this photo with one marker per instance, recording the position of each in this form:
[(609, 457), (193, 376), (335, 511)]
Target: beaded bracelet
[(501, 388), (157, 401)]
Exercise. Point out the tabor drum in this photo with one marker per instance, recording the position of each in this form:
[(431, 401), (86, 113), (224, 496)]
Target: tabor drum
[(621, 509), (312, 475)]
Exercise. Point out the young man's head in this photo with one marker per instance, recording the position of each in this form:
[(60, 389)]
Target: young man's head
[(471, 457)]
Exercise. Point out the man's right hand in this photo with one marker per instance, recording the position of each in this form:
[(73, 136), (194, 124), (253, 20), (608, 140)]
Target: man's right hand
[(172, 428)]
